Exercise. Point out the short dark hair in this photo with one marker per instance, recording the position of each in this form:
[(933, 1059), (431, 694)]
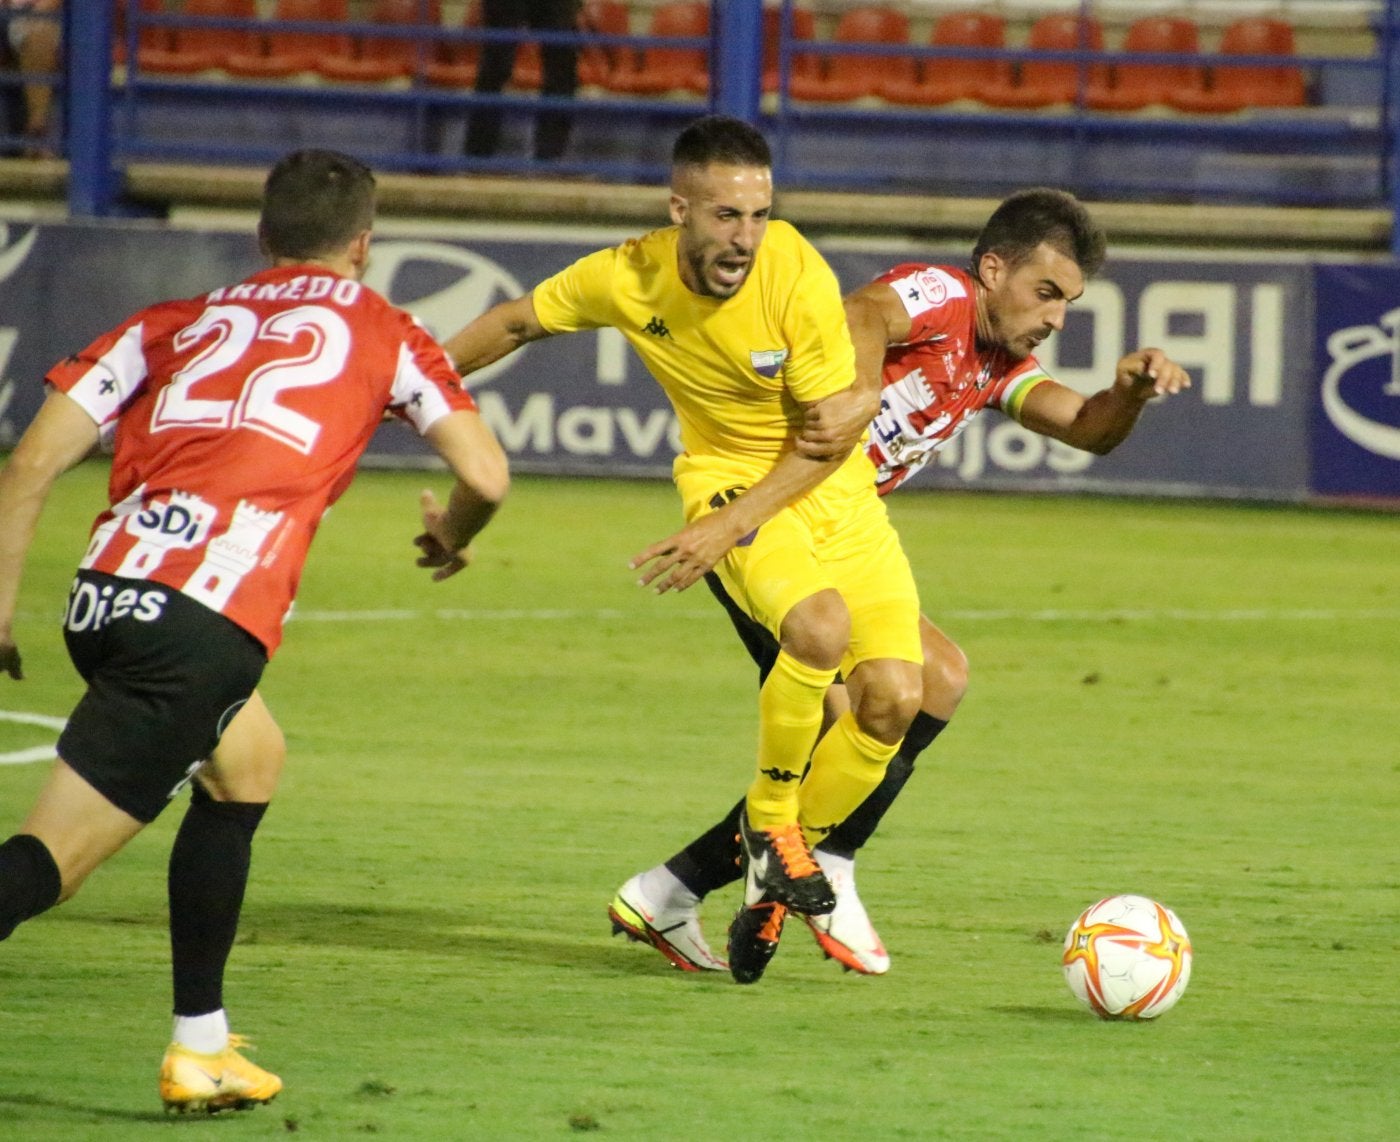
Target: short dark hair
[(721, 139), (1029, 217), (315, 203)]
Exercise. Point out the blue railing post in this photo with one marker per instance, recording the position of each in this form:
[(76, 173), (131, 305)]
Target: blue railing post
[(736, 58), (1390, 116), (87, 36)]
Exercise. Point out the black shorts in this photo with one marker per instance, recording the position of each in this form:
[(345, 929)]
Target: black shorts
[(165, 677)]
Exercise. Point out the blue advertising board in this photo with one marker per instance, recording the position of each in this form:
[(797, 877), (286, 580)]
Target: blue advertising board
[(1356, 402), (583, 404)]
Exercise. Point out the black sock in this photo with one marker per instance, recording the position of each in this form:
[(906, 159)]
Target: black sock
[(711, 860), (209, 864), (29, 881), (858, 828)]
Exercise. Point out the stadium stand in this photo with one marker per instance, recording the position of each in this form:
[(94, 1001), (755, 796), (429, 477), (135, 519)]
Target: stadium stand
[(191, 49), (1236, 87), (658, 70), (803, 28), (280, 54), (597, 61), (1315, 132), (1040, 83), (850, 76), (455, 62), (1133, 86), (378, 58), (147, 37), (947, 78)]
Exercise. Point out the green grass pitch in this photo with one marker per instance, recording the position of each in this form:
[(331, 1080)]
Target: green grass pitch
[(1192, 701)]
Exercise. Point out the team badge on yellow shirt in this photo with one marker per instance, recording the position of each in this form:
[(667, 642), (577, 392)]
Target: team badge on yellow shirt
[(767, 362)]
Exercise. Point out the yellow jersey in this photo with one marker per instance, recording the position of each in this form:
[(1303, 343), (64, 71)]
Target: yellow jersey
[(734, 369)]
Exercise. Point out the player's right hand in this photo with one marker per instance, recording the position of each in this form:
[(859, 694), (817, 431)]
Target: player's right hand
[(10, 661), (832, 427), (435, 553)]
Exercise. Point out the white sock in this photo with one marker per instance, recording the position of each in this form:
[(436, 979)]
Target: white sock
[(205, 1034), (834, 864), (664, 889)]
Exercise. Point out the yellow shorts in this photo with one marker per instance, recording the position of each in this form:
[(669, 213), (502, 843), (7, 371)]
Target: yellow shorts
[(836, 537)]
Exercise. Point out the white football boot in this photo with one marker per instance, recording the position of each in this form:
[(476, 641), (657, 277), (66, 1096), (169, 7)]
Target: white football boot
[(845, 933), (656, 908)]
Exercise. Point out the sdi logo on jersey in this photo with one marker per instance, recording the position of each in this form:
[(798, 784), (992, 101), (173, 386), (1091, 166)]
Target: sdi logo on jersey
[(92, 608), (1356, 417)]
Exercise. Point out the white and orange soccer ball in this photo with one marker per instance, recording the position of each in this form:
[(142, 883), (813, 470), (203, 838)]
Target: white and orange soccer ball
[(1127, 957)]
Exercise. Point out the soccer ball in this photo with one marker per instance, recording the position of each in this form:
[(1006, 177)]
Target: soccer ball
[(1127, 957)]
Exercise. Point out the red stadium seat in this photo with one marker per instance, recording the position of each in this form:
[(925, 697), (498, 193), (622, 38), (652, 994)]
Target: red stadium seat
[(596, 62), (1133, 86), (943, 79), (800, 63), (1249, 85), (528, 72), (147, 39), (455, 64), (193, 49), (656, 70), (282, 54), (847, 77), (1043, 82), (380, 58)]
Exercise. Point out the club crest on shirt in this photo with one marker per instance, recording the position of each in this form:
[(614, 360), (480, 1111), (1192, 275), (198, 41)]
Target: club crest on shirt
[(927, 289), (767, 362), (932, 286)]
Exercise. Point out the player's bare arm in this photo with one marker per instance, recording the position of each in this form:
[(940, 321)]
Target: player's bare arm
[(1103, 421), (501, 330), (681, 560), (60, 435), (477, 460), (876, 320)]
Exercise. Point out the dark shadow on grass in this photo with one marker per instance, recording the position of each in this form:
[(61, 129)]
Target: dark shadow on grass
[(432, 931), (88, 1111), (440, 931)]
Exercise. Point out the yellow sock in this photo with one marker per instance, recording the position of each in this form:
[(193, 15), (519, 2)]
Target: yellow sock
[(789, 718), (846, 765)]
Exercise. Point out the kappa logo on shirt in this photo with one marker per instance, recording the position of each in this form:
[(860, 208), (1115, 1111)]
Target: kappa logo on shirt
[(767, 362), (657, 328)]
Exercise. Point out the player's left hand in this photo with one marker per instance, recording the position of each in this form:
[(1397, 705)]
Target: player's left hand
[(1149, 373), (681, 560), (832, 427), (435, 553)]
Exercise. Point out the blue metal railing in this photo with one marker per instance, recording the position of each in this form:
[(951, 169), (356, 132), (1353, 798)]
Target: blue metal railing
[(113, 118)]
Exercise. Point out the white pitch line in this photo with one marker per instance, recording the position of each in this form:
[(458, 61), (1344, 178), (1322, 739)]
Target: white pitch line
[(1049, 615), (34, 753), (1046, 615)]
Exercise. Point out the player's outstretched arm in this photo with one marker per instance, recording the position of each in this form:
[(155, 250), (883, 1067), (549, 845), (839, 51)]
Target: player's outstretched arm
[(477, 460), (60, 435), (1103, 421), (502, 329), (681, 560)]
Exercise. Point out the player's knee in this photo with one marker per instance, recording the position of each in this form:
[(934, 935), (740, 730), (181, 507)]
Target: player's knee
[(945, 680), (817, 630), (945, 672), (247, 763), (889, 699)]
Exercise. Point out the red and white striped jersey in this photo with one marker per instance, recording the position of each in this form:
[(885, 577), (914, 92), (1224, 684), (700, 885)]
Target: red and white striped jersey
[(936, 382), (236, 418)]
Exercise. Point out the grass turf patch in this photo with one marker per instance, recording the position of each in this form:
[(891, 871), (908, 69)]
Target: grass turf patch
[(1192, 701)]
